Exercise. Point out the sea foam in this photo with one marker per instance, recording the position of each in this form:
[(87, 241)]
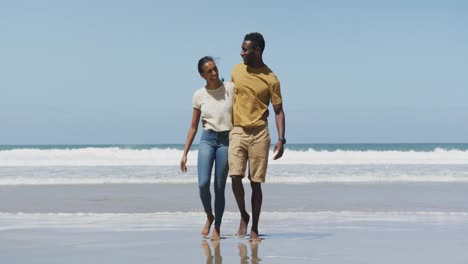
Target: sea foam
[(115, 156)]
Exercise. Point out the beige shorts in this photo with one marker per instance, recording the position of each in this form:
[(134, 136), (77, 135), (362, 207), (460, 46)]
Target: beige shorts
[(249, 146)]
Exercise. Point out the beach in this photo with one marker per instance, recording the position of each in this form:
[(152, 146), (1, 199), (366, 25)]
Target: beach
[(288, 238), (183, 198), (308, 223), (364, 204), (113, 112)]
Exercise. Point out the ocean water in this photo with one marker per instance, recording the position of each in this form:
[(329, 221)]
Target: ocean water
[(301, 163), (73, 204)]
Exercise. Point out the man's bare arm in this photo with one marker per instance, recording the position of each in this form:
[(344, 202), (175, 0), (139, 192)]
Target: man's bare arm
[(281, 127)]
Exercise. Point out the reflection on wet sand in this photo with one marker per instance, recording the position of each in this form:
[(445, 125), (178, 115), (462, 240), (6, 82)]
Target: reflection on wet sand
[(244, 259), (212, 259), (213, 252)]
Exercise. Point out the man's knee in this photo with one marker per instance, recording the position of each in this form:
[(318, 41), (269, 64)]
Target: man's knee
[(236, 178), (256, 185)]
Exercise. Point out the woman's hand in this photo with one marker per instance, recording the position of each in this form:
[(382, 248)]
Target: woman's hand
[(183, 164)]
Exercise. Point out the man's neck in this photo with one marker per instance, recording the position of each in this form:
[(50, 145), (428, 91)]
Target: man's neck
[(257, 64)]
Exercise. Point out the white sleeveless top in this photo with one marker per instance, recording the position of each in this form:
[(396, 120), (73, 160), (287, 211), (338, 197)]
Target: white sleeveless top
[(215, 106)]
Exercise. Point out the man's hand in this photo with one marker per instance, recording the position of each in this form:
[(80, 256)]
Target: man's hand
[(278, 151), (203, 121)]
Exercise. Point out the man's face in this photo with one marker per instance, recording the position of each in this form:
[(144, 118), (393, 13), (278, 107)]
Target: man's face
[(248, 52)]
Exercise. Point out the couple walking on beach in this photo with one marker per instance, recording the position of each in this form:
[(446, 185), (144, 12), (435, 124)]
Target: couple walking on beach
[(235, 133)]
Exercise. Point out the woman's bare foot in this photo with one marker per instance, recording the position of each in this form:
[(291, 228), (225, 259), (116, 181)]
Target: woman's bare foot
[(206, 229), (216, 233), (243, 226)]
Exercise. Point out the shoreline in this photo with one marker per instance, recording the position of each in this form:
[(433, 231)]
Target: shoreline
[(317, 197), (286, 238)]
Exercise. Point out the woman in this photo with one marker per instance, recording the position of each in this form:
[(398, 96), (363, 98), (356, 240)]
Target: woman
[(214, 104)]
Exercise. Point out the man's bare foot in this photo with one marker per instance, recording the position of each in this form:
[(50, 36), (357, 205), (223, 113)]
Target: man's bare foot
[(206, 229), (216, 234), (254, 237), (243, 226)]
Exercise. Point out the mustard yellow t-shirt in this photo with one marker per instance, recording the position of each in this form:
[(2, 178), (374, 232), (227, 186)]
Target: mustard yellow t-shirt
[(255, 88)]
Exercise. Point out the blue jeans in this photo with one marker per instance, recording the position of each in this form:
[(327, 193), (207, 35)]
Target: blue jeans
[(213, 148)]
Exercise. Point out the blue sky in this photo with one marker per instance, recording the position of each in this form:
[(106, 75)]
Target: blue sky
[(123, 72)]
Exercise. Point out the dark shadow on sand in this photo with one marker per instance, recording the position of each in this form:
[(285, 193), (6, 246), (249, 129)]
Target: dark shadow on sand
[(298, 235)]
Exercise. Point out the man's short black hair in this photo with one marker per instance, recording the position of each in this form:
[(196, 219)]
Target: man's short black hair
[(256, 39)]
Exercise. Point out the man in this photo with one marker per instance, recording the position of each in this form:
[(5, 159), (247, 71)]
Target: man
[(256, 85)]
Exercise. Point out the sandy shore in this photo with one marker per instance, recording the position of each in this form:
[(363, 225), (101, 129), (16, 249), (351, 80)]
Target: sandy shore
[(287, 238), (148, 198), (307, 223)]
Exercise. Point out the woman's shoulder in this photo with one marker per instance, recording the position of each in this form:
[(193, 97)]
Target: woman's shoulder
[(199, 91), (199, 94), (229, 86)]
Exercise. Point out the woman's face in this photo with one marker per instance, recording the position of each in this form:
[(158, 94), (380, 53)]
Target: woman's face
[(210, 71)]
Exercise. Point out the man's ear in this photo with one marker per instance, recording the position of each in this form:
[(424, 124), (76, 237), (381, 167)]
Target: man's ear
[(258, 51)]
